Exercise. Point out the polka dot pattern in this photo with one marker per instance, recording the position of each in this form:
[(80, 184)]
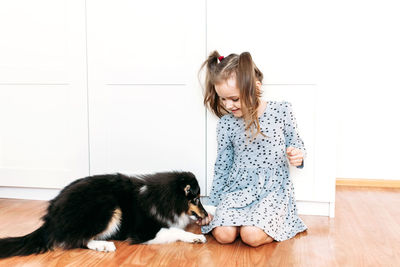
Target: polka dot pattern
[(251, 183)]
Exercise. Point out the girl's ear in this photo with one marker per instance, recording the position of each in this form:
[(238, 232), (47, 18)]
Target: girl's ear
[(258, 85)]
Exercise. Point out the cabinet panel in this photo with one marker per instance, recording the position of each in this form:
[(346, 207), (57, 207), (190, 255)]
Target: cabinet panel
[(146, 42), (281, 36), (38, 40), (43, 96), (145, 102)]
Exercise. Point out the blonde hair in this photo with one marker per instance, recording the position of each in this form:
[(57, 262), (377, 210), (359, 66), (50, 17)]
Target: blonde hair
[(246, 73)]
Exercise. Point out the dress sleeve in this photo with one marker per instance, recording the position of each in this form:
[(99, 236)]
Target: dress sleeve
[(292, 137), (223, 162)]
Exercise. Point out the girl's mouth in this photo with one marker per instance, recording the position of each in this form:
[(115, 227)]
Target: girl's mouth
[(235, 110)]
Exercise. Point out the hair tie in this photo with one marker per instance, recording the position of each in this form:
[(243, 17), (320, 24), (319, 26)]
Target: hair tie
[(220, 58)]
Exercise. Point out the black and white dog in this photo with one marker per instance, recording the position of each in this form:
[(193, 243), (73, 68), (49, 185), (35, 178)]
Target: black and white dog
[(149, 209)]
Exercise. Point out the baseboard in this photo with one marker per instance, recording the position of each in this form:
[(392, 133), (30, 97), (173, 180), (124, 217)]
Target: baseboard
[(368, 183), (316, 208)]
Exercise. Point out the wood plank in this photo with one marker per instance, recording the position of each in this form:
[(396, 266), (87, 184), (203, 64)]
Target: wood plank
[(365, 232), (368, 182)]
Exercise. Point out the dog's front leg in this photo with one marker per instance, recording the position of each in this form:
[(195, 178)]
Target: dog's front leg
[(169, 235)]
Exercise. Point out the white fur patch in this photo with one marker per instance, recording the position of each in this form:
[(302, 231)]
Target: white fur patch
[(98, 245), (180, 222), (154, 212), (113, 225), (143, 189), (169, 235)]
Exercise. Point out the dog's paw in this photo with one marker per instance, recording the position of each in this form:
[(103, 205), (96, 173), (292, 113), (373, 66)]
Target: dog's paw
[(199, 239), (210, 209), (104, 246)]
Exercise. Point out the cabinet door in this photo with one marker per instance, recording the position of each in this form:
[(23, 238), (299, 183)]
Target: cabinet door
[(282, 38), (43, 104), (145, 102)]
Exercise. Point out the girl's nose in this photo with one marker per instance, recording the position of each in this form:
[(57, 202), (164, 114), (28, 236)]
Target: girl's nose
[(228, 104)]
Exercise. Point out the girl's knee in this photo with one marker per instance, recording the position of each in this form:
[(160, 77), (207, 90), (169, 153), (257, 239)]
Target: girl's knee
[(254, 236), (225, 234)]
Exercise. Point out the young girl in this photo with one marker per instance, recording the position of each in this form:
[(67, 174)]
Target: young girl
[(251, 190)]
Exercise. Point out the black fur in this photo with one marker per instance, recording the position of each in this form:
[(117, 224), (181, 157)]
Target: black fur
[(84, 208)]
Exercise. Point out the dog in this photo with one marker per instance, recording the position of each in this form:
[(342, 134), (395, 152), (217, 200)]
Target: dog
[(149, 209)]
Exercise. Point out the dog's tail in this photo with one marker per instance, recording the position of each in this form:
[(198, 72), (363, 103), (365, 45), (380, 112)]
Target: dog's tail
[(33, 243)]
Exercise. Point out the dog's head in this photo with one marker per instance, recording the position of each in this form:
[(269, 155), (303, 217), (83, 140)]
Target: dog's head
[(191, 189)]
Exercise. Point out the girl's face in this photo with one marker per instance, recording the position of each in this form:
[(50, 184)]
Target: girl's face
[(229, 95)]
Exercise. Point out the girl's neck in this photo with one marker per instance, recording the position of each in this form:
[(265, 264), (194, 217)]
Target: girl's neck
[(261, 108)]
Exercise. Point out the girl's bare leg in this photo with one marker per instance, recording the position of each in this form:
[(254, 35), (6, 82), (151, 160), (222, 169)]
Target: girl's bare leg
[(225, 234), (254, 236)]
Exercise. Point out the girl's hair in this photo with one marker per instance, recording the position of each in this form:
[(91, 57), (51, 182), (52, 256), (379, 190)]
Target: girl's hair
[(246, 73)]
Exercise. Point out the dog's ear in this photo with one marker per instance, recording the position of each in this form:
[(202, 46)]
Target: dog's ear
[(187, 190)]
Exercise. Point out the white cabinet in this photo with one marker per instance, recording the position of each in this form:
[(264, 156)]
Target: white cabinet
[(145, 101), (43, 99)]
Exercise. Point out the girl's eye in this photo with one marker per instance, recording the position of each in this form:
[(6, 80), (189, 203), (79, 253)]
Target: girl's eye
[(235, 100)]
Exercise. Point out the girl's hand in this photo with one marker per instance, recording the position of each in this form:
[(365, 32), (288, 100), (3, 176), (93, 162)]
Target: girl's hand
[(295, 156), (205, 221)]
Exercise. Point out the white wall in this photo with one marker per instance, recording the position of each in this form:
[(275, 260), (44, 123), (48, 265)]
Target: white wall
[(363, 69), (43, 96)]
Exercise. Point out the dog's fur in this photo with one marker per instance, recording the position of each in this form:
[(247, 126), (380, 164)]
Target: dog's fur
[(148, 209)]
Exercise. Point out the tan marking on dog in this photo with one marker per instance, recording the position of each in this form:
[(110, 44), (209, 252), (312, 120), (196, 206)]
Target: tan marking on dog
[(113, 225), (196, 210)]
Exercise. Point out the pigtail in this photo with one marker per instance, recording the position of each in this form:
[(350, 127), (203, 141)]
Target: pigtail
[(246, 81), (211, 99), (246, 77), (212, 62)]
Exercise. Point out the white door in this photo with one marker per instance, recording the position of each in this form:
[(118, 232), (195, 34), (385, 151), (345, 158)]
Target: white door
[(145, 102), (43, 103)]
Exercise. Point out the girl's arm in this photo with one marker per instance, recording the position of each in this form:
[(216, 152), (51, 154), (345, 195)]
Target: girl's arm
[(223, 162), (294, 143)]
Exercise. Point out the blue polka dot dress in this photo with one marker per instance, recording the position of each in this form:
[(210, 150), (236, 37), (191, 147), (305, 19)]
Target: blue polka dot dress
[(251, 183)]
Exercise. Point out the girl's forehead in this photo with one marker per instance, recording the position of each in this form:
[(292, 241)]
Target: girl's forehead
[(227, 88), (231, 82)]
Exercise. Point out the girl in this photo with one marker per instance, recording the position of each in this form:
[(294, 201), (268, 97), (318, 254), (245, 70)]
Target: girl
[(251, 190)]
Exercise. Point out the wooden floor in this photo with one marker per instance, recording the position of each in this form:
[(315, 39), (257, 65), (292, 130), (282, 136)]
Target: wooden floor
[(365, 232)]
